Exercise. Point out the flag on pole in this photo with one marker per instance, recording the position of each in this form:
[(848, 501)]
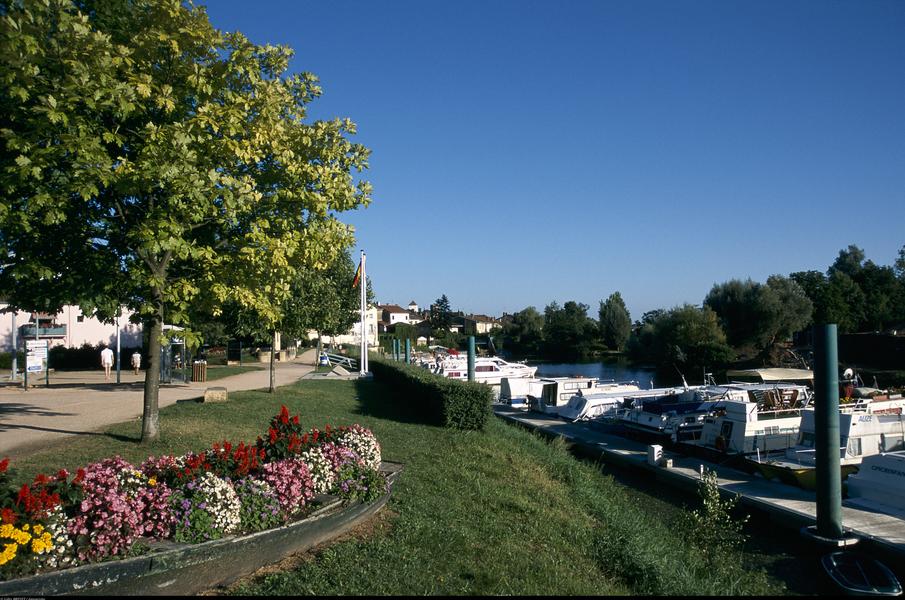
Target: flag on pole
[(357, 275)]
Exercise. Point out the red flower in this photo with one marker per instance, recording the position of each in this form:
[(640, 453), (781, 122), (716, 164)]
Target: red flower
[(284, 415), (62, 474), (79, 476), (4, 464), (295, 420), (7, 516)]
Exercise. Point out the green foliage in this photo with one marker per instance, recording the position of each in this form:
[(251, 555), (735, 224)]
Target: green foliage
[(173, 163), (86, 357), (523, 335), (686, 337), (568, 331), (716, 532), (447, 402), (260, 508), (441, 314), (755, 316), (357, 482), (615, 322), (857, 294), (6, 360)]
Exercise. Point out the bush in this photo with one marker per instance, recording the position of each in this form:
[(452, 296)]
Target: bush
[(447, 402), (86, 358)]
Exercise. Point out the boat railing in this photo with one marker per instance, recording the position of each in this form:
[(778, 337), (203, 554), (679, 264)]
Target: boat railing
[(780, 413), (807, 457)]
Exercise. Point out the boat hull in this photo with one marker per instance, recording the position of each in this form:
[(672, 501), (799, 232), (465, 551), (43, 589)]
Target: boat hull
[(188, 569), (803, 477)]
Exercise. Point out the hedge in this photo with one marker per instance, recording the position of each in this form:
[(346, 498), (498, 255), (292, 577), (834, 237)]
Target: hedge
[(447, 402)]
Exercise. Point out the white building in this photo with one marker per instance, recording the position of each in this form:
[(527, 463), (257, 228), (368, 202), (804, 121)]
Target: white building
[(69, 328), (353, 337)]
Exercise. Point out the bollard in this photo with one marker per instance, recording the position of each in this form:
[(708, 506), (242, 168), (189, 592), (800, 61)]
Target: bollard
[(826, 420), (471, 354), (408, 351)]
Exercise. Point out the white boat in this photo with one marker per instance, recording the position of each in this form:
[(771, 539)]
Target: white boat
[(879, 484), (584, 407), (755, 417), (490, 370), (514, 391), (552, 394), (866, 428)]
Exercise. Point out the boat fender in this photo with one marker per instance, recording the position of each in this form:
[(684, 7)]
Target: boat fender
[(720, 443)]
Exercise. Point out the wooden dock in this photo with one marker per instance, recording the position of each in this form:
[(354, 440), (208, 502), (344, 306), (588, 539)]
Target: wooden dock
[(788, 506)]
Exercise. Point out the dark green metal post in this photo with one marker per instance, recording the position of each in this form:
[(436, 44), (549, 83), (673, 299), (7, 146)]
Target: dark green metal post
[(471, 354), (826, 420), (408, 351)]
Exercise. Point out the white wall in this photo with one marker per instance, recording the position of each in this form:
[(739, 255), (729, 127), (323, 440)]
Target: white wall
[(89, 330)]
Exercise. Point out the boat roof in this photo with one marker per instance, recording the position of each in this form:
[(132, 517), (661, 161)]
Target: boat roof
[(773, 374)]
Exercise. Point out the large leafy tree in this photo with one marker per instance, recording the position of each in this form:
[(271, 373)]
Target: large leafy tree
[(523, 335), (568, 331), (152, 161), (615, 322), (686, 338)]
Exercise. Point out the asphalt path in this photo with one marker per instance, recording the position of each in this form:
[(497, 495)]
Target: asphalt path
[(81, 402)]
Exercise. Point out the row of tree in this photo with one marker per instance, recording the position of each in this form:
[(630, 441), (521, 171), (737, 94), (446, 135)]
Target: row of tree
[(151, 161), (737, 321)]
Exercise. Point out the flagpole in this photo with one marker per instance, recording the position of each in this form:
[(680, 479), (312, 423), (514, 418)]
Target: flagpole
[(363, 362)]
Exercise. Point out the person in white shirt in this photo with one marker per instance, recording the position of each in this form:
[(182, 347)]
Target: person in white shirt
[(107, 362), (136, 361)]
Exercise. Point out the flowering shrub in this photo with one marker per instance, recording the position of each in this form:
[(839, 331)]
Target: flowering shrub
[(291, 482), (363, 442), (339, 456), (234, 462), (260, 506), (207, 509), (323, 476), (110, 508), (107, 521), (355, 481)]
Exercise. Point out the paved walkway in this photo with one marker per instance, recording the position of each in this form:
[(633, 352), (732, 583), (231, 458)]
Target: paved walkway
[(81, 402)]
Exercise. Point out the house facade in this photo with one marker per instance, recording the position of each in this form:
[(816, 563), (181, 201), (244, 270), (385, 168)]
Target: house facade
[(353, 336), (70, 328)]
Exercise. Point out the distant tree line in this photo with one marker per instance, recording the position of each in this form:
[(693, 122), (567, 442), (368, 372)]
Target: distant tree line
[(738, 321)]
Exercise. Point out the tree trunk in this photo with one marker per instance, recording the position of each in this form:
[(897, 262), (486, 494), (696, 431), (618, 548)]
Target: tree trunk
[(150, 424), (273, 350)]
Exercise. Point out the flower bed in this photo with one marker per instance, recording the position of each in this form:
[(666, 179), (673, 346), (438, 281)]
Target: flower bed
[(112, 509)]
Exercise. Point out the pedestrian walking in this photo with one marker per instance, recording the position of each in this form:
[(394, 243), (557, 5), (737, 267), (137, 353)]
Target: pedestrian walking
[(107, 362), (136, 361)]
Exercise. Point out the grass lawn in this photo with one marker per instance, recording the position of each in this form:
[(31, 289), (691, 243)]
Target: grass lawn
[(219, 372), (495, 512)]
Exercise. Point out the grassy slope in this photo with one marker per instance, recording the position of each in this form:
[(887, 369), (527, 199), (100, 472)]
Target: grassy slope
[(497, 512)]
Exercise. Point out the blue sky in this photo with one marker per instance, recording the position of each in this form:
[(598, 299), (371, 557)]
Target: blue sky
[(526, 151)]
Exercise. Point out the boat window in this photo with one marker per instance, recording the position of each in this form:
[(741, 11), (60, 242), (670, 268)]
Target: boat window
[(891, 443), (483, 368)]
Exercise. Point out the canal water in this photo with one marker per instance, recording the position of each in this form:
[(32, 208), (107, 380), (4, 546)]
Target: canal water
[(616, 370)]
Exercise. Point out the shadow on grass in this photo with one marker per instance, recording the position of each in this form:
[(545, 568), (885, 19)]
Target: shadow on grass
[(114, 436), (377, 399)]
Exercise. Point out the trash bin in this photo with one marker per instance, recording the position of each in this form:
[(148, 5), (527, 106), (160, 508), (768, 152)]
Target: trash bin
[(199, 370), (324, 361)]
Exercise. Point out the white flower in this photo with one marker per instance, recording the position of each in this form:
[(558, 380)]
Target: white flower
[(363, 442)]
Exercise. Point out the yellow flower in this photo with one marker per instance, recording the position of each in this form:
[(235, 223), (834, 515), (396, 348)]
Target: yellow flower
[(25, 527), (152, 481), (39, 529), (6, 530), (42, 544), (9, 553)]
